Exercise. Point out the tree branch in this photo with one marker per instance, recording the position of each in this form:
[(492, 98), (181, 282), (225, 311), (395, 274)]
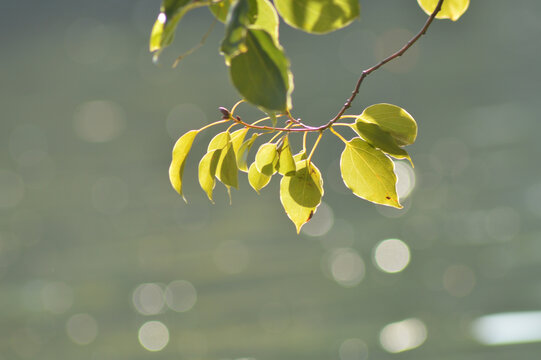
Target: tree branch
[(349, 101)]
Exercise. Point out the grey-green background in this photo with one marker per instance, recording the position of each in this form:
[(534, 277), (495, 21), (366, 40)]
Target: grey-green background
[(87, 214)]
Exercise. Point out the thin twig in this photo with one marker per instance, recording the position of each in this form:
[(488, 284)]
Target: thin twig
[(364, 74), (397, 54)]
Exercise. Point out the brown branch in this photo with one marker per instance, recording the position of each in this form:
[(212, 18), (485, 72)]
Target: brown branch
[(349, 101), (397, 54)]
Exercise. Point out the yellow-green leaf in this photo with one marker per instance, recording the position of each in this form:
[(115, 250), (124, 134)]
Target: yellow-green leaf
[(267, 19), (450, 9), (256, 179), (242, 154), (266, 159), (286, 163), (380, 139), (301, 193), (207, 171), (237, 138), (180, 153), (318, 16), (226, 168), (299, 156), (392, 119), (369, 173)]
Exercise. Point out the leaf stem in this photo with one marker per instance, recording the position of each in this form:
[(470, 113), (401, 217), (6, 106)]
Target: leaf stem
[(235, 106), (364, 74), (337, 134), (212, 124), (315, 146)]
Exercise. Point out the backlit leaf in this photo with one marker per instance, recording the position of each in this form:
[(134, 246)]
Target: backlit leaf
[(318, 16), (226, 168), (163, 31), (207, 171), (380, 139), (369, 173), (392, 119), (237, 138), (220, 9), (256, 179), (242, 154), (286, 163), (261, 74), (180, 153), (240, 15), (266, 19), (450, 9), (301, 193), (266, 159)]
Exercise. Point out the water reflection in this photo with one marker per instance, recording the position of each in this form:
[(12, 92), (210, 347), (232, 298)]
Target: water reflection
[(148, 299), (508, 328), (392, 255), (82, 329), (153, 335), (403, 335)]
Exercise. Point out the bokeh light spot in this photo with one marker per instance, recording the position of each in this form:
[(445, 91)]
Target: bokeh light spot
[(406, 179), (82, 329), (403, 335), (148, 299), (153, 335), (347, 267), (321, 223), (99, 121), (392, 255), (180, 295)]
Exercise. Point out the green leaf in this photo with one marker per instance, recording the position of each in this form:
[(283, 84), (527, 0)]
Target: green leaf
[(163, 31), (266, 159), (369, 173), (301, 193), (226, 168), (450, 9), (221, 9), (240, 15), (180, 153), (318, 16), (380, 139), (219, 141), (267, 19), (392, 119), (207, 171), (261, 74), (256, 179), (286, 163), (237, 138), (242, 154), (299, 156)]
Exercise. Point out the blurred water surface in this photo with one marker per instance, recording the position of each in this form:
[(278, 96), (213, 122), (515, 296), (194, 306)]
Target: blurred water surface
[(100, 259)]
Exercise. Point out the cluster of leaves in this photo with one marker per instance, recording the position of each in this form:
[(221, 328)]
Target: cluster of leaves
[(382, 130), (260, 71)]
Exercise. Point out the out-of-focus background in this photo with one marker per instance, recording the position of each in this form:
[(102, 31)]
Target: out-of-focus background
[(101, 260)]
